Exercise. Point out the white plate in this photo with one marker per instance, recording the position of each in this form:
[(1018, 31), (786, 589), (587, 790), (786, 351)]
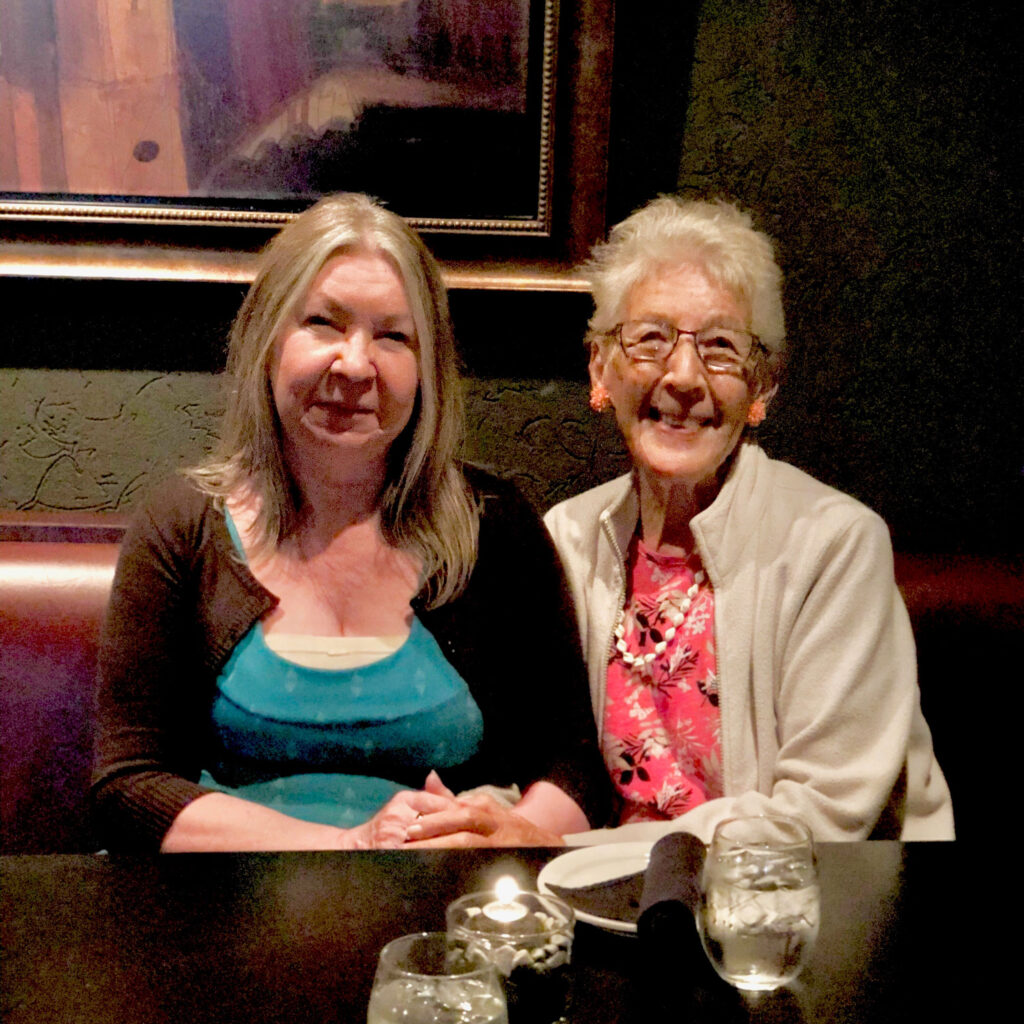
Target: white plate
[(589, 864)]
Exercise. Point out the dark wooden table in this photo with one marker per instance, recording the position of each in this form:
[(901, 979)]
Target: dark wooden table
[(255, 938)]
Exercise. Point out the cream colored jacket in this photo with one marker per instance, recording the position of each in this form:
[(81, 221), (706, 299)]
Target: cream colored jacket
[(820, 709)]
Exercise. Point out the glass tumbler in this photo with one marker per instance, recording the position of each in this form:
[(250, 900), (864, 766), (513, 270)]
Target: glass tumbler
[(760, 906), (421, 980)]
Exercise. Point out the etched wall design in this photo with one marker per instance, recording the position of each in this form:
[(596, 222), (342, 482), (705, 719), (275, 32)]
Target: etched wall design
[(77, 440), (92, 440)]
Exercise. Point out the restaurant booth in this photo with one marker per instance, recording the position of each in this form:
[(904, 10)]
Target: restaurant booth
[(884, 171)]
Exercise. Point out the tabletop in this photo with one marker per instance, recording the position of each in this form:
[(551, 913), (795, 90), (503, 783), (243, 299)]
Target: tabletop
[(294, 937)]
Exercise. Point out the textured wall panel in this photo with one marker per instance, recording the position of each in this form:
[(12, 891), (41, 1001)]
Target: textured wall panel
[(97, 439)]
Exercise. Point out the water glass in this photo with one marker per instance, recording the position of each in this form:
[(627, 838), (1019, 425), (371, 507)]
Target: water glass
[(420, 980), (760, 905), (528, 937)]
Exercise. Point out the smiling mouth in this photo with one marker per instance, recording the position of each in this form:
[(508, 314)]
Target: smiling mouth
[(677, 422), (337, 409)]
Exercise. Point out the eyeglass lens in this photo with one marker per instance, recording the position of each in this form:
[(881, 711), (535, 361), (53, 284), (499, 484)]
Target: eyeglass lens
[(719, 348)]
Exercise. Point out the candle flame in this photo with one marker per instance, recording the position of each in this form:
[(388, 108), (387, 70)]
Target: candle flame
[(506, 889)]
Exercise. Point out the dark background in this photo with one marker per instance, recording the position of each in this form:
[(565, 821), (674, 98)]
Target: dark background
[(880, 145)]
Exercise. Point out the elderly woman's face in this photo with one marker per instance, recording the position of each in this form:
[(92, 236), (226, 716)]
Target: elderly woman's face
[(679, 421), (345, 369)]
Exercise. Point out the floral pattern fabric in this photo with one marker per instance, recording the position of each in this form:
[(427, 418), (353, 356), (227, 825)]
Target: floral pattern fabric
[(661, 718)]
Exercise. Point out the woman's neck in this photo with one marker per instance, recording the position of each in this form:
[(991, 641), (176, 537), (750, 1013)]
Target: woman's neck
[(329, 507), (667, 506), (664, 523), (666, 509), (335, 497)]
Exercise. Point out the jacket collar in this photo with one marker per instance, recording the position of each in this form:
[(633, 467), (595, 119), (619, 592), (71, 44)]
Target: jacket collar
[(620, 516), (721, 539)]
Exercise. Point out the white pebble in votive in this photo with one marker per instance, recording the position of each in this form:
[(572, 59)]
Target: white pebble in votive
[(523, 958)]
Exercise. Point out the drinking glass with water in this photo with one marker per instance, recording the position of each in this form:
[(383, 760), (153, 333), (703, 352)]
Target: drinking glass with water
[(421, 980), (760, 905)]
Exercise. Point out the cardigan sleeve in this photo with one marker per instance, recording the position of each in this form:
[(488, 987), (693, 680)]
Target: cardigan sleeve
[(853, 755), (157, 659), (836, 687), (512, 636)]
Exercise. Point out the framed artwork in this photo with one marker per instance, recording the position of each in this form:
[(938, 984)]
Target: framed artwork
[(239, 113)]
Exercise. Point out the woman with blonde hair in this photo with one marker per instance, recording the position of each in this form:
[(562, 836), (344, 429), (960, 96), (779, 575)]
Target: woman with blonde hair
[(333, 605)]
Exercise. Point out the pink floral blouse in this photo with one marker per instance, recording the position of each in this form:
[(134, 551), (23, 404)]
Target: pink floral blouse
[(661, 719)]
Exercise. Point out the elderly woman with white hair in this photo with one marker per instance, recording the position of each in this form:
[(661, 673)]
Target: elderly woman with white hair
[(748, 649), (333, 605)]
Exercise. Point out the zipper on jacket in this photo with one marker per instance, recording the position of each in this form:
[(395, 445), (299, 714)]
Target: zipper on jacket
[(610, 646)]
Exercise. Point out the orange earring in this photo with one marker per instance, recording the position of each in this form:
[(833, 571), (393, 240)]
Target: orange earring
[(756, 413), (600, 399)]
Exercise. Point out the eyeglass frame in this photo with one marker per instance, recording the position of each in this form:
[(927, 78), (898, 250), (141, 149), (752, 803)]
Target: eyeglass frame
[(743, 367)]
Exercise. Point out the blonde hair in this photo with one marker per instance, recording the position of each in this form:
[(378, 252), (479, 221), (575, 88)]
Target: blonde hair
[(716, 235), (426, 506)]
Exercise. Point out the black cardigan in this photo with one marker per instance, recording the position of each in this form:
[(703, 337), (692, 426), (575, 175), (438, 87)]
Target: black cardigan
[(182, 600)]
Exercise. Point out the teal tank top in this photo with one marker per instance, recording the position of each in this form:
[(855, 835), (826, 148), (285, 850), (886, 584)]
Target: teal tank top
[(332, 746)]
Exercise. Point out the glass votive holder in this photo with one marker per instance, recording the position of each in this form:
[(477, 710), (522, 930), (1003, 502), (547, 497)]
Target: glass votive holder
[(528, 937)]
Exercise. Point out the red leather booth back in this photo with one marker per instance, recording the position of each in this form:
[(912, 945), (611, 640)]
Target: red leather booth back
[(55, 578)]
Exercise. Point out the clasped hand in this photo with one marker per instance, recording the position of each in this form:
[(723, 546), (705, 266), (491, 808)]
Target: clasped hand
[(434, 817)]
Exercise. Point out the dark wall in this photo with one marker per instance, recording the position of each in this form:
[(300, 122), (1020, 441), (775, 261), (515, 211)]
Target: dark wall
[(879, 142)]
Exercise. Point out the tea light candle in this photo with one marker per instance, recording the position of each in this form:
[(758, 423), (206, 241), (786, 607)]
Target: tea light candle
[(528, 938), (505, 909)]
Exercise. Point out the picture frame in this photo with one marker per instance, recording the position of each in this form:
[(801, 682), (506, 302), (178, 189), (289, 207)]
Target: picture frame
[(484, 124)]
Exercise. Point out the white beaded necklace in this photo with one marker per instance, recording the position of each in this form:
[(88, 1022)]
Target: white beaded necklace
[(677, 617)]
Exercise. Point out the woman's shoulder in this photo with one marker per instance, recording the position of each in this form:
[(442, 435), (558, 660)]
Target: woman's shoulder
[(584, 509), (770, 512), (512, 541), (173, 515), (800, 493), (484, 481), (802, 511), (174, 499)]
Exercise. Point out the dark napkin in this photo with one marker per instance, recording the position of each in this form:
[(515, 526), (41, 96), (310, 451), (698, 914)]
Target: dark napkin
[(669, 938), (672, 880)]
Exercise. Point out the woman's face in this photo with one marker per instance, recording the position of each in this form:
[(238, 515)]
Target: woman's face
[(345, 368), (679, 422)]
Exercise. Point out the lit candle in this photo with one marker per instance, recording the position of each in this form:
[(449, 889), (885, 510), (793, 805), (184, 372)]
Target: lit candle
[(505, 908)]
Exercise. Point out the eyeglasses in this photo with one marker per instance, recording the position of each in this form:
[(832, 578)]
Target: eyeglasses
[(721, 349)]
